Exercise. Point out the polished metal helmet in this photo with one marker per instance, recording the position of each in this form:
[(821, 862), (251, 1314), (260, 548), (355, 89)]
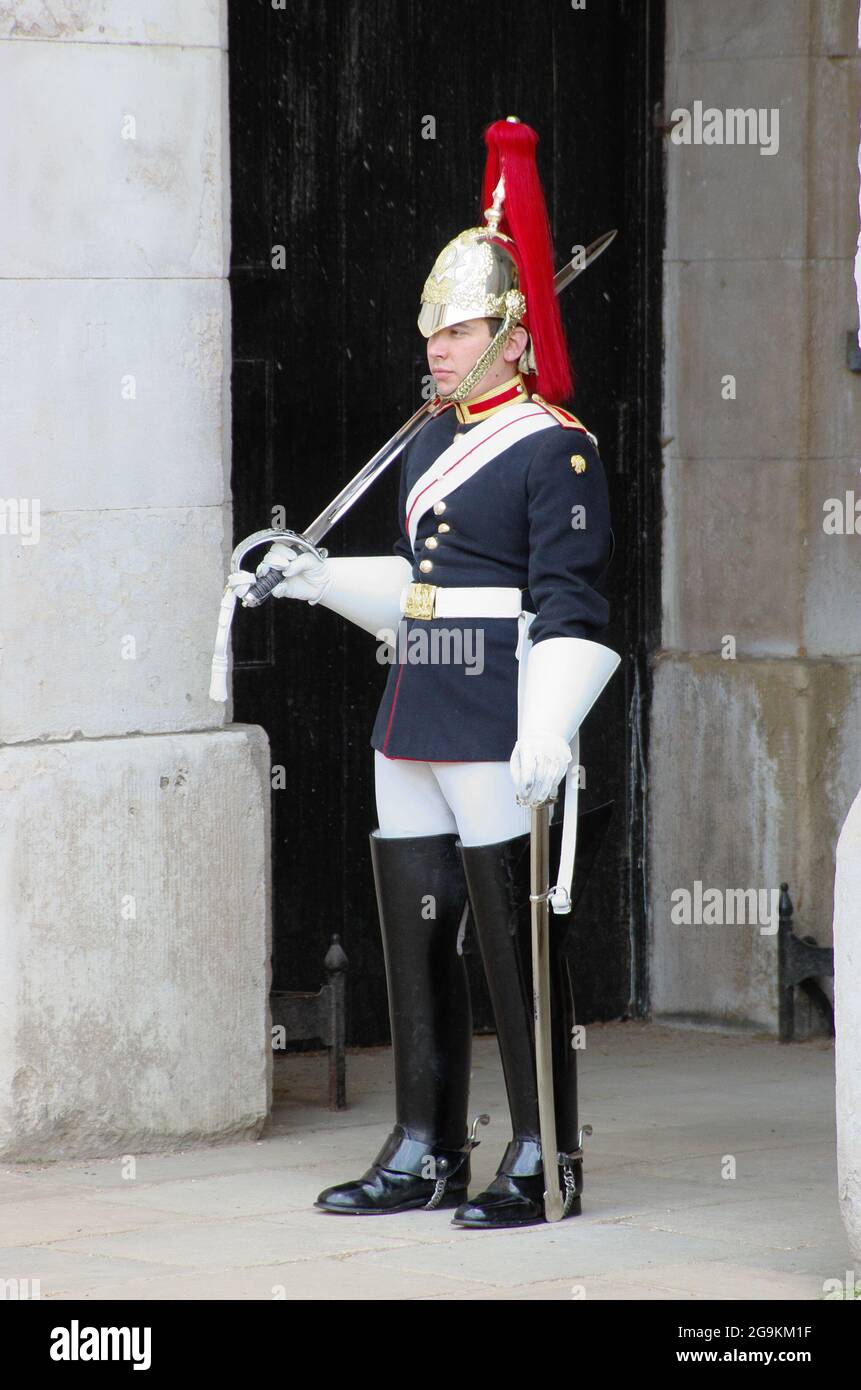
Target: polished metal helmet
[(475, 276), (470, 278)]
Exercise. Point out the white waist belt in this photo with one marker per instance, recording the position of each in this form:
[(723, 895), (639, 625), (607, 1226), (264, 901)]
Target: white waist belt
[(433, 600)]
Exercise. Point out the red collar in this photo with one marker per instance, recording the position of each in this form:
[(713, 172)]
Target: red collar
[(510, 393)]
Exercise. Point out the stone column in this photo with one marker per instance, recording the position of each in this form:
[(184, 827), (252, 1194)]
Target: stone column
[(134, 918), (847, 976), (755, 756), (847, 1000)]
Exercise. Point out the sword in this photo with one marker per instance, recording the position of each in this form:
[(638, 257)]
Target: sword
[(539, 858), (309, 539), (354, 489)]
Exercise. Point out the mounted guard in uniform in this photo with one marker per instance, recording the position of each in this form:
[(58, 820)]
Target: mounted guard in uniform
[(503, 543)]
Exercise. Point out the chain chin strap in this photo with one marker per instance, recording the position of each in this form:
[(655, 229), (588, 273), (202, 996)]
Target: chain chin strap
[(515, 308)]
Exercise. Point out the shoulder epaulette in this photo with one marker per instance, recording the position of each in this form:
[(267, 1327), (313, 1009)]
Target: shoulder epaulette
[(564, 418)]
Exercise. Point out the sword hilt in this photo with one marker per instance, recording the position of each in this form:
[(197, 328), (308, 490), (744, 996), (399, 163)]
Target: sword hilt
[(259, 592), (263, 588)]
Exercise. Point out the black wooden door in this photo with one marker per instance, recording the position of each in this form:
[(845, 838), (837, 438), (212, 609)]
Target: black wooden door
[(330, 106)]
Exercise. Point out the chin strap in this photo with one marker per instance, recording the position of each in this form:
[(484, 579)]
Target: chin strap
[(560, 896)]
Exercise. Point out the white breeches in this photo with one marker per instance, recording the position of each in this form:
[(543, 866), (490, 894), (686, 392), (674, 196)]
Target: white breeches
[(476, 801)]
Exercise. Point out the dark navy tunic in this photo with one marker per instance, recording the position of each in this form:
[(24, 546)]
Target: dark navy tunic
[(510, 525)]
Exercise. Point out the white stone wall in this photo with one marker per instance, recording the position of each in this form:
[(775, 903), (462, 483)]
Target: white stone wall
[(134, 961), (114, 432), (755, 760)]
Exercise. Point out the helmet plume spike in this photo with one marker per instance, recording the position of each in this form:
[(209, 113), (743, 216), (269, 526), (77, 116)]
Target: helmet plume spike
[(493, 214)]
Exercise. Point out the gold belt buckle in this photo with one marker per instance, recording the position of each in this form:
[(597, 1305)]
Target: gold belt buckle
[(421, 601)]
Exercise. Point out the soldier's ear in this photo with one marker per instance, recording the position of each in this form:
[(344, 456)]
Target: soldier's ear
[(514, 349)]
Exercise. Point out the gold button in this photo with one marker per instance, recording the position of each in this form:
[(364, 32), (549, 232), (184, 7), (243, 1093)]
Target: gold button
[(426, 566), (444, 528), (578, 463), (431, 542), (439, 508)]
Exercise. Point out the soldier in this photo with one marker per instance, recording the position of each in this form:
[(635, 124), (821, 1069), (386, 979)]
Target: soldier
[(504, 543)]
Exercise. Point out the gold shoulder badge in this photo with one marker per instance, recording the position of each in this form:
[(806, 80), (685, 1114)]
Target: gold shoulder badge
[(578, 463)]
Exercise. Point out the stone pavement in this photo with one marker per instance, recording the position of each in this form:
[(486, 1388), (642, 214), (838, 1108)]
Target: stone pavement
[(659, 1220)]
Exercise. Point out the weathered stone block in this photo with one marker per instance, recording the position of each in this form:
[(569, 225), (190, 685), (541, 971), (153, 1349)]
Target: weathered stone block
[(121, 171), (729, 201), (134, 944), (847, 992), (187, 22), (770, 28), (112, 627), (732, 556), (112, 393), (757, 760), (832, 559), (834, 427), (744, 319)]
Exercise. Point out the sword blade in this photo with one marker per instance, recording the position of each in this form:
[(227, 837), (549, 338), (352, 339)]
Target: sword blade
[(577, 265), (539, 846), (369, 473)]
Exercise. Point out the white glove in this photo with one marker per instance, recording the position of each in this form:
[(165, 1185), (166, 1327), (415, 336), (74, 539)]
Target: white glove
[(364, 589), (305, 576), (538, 764), (564, 677), (240, 582)]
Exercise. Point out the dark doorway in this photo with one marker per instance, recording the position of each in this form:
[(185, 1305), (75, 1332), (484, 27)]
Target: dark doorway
[(329, 104)]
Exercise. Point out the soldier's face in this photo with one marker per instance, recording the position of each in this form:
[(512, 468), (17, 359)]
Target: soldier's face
[(454, 351)]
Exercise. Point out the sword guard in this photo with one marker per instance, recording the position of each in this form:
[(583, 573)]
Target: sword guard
[(524, 801), (264, 586)]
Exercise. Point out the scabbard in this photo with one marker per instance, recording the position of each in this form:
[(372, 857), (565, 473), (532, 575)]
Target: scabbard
[(540, 889)]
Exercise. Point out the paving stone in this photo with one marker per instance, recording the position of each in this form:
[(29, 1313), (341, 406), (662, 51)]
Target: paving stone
[(56, 1218), (659, 1223), (63, 1272), (721, 1279)]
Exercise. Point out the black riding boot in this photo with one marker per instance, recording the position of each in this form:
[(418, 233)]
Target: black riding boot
[(421, 894), (498, 880)]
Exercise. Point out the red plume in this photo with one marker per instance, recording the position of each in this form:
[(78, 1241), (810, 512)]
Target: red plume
[(511, 152)]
